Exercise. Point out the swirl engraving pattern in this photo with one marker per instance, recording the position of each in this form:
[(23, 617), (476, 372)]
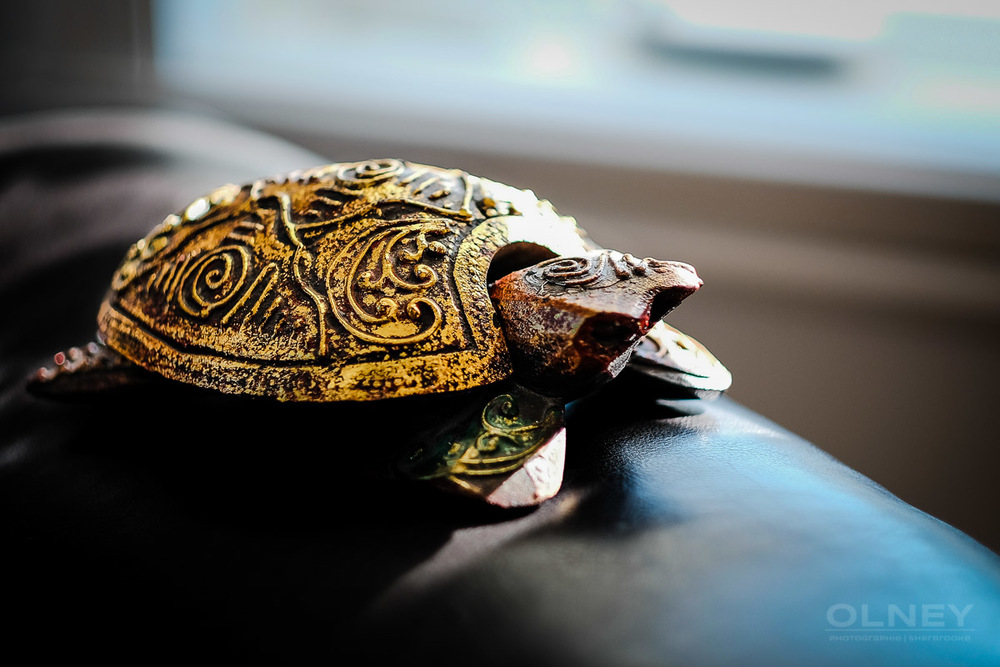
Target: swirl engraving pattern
[(386, 296), (511, 427), (370, 172), (506, 437), (573, 271), (213, 279), (592, 271)]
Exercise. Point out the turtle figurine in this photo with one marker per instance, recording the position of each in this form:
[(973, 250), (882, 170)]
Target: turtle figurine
[(385, 279)]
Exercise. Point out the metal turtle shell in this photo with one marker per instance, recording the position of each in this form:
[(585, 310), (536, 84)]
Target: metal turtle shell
[(353, 281)]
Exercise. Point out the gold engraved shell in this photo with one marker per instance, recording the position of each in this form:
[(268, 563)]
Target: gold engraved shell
[(351, 281)]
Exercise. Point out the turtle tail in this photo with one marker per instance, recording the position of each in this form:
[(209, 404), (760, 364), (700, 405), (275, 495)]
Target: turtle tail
[(89, 369)]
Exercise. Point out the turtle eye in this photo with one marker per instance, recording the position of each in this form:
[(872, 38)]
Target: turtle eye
[(514, 257)]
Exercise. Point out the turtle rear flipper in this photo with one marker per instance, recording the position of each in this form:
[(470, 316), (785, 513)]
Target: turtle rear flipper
[(90, 369)]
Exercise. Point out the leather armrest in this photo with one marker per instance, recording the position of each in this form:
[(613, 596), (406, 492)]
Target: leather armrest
[(179, 524)]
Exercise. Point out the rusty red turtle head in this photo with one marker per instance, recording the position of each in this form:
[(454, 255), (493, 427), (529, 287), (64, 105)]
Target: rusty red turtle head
[(571, 323)]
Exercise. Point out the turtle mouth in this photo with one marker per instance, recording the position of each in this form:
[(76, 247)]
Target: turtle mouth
[(662, 304)]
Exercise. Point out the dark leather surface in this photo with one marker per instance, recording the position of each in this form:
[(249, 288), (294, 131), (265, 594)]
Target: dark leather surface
[(182, 525)]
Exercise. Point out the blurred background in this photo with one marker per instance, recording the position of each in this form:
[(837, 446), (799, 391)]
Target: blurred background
[(832, 169)]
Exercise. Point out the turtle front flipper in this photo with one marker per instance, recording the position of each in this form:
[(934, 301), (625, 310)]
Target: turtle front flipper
[(81, 371), (672, 357), (508, 450)]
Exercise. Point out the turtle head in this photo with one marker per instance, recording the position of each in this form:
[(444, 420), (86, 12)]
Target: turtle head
[(571, 322)]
